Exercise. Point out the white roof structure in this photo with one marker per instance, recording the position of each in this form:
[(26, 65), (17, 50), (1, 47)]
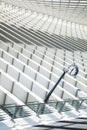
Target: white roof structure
[(39, 39), (71, 10)]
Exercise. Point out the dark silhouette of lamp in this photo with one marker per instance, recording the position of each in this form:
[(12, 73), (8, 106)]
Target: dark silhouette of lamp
[(71, 70)]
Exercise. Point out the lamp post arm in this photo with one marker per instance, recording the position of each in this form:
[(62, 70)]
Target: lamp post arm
[(71, 70), (51, 91)]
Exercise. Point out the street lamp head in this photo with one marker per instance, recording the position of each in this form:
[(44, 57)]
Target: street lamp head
[(73, 70)]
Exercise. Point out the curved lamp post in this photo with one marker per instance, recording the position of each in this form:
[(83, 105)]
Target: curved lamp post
[(71, 70)]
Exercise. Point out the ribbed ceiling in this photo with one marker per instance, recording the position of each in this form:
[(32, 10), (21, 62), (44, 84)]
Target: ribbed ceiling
[(71, 10)]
